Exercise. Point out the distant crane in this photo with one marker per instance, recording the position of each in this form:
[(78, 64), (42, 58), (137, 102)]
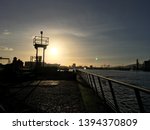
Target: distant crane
[(8, 59)]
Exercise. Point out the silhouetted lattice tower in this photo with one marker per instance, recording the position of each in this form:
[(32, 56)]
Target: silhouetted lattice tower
[(40, 42)]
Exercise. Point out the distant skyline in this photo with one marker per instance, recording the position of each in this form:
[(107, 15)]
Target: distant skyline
[(85, 32)]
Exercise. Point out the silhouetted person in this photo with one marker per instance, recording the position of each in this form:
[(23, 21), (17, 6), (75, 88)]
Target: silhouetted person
[(14, 65), (17, 65)]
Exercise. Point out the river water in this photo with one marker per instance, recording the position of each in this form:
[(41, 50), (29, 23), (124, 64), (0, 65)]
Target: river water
[(139, 78)]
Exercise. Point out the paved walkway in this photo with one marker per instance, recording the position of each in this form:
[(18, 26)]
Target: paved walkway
[(54, 96)]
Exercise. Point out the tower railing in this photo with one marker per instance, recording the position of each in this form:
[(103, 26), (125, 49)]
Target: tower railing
[(37, 40)]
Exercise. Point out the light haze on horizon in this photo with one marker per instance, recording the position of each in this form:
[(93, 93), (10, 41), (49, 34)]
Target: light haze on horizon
[(85, 32)]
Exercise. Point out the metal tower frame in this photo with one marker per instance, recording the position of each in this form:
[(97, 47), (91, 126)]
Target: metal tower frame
[(40, 42)]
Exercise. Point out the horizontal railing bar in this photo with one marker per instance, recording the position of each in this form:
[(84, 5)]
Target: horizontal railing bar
[(119, 82)]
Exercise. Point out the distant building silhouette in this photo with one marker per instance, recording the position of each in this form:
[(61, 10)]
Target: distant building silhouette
[(30, 64), (74, 67), (146, 65), (137, 64), (91, 66)]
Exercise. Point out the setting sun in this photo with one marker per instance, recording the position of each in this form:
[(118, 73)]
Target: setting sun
[(54, 51)]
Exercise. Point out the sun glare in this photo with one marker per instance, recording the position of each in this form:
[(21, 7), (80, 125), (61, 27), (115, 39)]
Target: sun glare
[(54, 51)]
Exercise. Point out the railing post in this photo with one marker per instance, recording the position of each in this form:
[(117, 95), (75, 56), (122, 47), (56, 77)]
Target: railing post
[(90, 80), (94, 84), (84, 76), (113, 95), (138, 97), (101, 89), (87, 78)]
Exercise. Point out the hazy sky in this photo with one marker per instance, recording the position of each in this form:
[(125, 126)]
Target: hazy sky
[(116, 32)]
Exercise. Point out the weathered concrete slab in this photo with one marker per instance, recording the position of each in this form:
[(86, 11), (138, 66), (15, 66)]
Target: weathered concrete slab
[(53, 96)]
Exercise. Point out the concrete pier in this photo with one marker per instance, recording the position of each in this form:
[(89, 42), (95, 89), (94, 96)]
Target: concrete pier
[(52, 96)]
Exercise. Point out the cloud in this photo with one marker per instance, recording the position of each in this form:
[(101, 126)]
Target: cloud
[(2, 48), (6, 32), (70, 31)]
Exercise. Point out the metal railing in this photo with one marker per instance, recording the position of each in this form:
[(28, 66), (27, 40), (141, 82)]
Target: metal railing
[(120, 96)]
